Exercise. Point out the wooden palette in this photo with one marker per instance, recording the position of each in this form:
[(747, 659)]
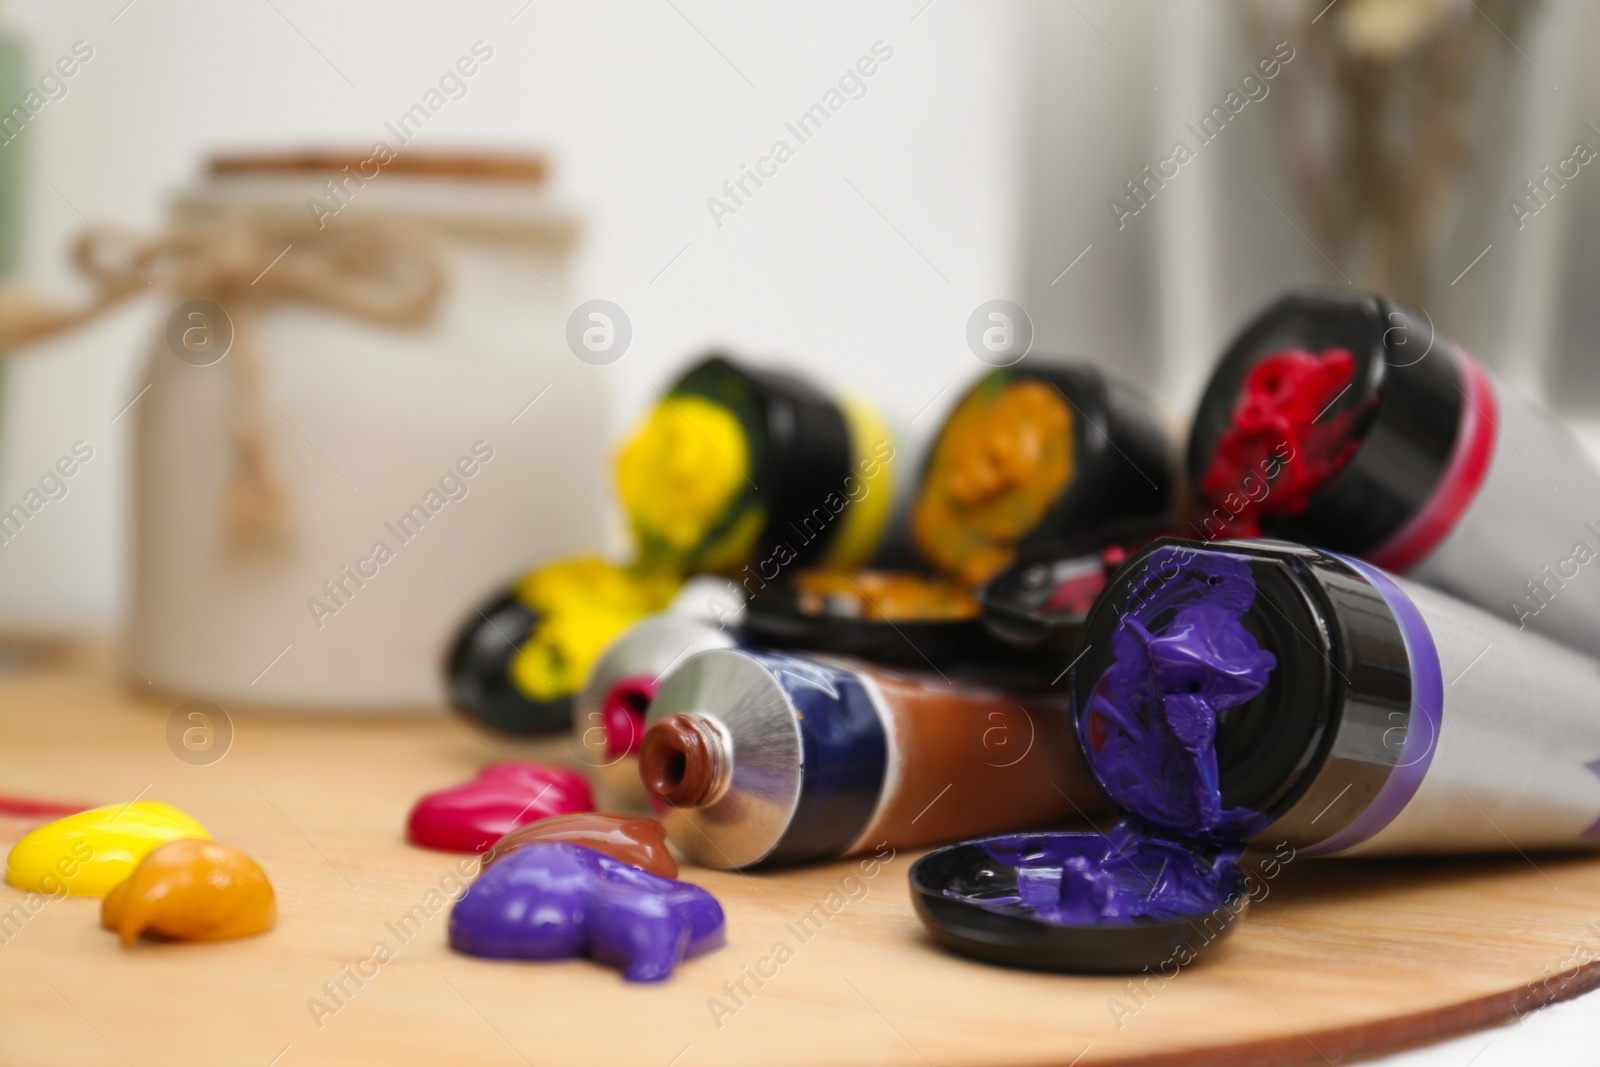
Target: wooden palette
[(1341, 958)]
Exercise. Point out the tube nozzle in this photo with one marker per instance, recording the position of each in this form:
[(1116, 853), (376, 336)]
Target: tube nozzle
[(683, 759)]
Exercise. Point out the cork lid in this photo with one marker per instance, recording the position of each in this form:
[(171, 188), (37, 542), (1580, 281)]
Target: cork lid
[(488, 194), (482, 165)]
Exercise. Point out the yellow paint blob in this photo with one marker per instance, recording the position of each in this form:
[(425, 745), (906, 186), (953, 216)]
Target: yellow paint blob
[(194, 890), (88, 853), (582, 605), (682, 474)]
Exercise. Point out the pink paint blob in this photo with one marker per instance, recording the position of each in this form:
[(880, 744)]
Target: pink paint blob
[(623, 714), (474, 815)]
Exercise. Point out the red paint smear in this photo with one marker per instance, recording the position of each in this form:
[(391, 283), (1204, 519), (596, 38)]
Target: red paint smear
[(474, 815), (28, 806), (1468, 466), (622, 714), (1276, 441)]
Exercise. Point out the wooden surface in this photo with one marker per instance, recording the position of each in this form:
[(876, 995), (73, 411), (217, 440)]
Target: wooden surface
[(1340, 959)]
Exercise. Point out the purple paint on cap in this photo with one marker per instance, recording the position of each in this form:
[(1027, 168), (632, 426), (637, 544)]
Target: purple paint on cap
[(1081, 879), (554, 901)]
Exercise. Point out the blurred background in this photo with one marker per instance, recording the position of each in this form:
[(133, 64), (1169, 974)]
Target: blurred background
[(1434, 149)]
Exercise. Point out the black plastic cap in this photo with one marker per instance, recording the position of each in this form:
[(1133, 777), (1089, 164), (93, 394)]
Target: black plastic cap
[(801, 452), (1403, 406), (1311, 750), (478, 673), (1017, 941)]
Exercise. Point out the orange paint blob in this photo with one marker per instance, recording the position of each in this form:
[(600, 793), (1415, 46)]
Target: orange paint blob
[(191, 890), (891, 595), (1001, 460), (640, 842)]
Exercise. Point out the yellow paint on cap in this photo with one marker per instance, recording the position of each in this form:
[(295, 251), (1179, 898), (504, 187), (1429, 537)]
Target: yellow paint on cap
[(88, 853), (680, 474)]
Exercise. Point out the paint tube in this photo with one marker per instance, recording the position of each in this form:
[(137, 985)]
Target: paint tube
[(736, 471), (609, 712), (771, 758), (1344, 420), (1268, 693), (1033, 459)]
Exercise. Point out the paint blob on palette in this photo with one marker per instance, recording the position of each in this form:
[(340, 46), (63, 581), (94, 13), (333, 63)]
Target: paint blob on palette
[(558, 901), (474, 815), (632, 840), (191, 890), (88, 853)]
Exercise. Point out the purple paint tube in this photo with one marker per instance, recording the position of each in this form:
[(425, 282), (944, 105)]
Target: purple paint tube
[(1267, 693), (1266, 696)]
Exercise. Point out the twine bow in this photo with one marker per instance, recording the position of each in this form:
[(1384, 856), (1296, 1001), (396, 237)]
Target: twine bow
[(376, 271)]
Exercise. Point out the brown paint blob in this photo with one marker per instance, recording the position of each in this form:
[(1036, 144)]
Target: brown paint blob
[(192, 890), (640, 842), (1001, 460)]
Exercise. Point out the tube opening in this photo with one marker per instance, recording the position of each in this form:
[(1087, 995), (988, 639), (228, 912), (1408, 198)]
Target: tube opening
[(681, 760), (671, 772)]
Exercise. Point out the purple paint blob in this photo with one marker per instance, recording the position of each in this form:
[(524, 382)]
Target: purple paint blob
[(555, 901), (1083, 879), (1181, 657)]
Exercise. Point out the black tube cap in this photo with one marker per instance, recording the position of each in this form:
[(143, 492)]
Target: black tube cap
[(478, 672), (1123, 456), (1039, 604), (1399, 413), (947, 882)]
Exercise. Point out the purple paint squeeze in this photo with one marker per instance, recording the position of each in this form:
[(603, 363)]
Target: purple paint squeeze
[(555, 901), (1180, 658)]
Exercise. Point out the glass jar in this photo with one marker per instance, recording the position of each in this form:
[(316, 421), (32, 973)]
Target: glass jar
[(421, 465)]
